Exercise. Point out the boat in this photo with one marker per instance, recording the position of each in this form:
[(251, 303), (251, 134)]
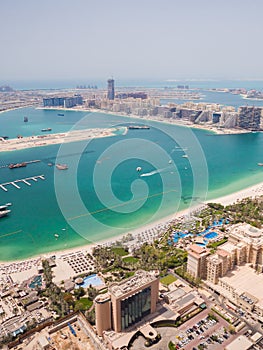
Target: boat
[(260, 164), (3, 210), (138, 168), (61, 166), (170, 161), (60, 114), (47, 129), (17, 165), (25, 119), (5, 206), (138, 127), (4, 213), (184, 156)]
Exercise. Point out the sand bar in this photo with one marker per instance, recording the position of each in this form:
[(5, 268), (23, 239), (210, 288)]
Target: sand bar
[(54, 139)]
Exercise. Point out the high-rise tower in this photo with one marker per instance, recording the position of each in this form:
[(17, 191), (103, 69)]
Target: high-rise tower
[(110, 89)]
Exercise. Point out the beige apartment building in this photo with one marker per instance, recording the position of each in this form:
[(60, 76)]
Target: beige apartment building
[(197, 261), (244, 246), (127, 302), (235, 270)]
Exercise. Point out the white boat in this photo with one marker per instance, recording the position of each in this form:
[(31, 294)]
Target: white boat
[(61, 166), (4, 213), (185, 156), (3, 210), (138, 168)]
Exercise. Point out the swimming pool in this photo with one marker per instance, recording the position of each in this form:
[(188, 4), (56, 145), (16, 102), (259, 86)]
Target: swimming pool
[(211, 235), (37, 281), (93, 280), (177, 235)]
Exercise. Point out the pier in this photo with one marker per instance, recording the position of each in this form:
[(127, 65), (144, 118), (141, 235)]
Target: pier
[(25, 181)]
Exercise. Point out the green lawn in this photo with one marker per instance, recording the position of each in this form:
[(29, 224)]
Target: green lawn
[(83, 304), (120, 251), (168, 280), (130, 260)]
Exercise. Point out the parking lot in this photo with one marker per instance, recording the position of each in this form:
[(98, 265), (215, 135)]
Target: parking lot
[(201, 329), (205, 331)]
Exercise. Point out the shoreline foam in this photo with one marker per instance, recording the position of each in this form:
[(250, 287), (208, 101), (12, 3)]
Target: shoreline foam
[(252, 191)]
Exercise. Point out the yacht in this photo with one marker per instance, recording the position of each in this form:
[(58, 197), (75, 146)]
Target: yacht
[(61, 166), (3, 210)]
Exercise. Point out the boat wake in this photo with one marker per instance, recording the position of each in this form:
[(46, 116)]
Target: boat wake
[(178, 149), (158, 171)]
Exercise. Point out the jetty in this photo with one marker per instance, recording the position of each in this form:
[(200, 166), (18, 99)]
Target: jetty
[(25, 181)]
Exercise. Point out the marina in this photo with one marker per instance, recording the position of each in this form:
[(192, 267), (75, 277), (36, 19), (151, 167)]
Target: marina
[(25, 181)]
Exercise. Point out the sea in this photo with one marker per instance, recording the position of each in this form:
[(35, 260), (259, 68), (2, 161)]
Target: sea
[(116, 184)]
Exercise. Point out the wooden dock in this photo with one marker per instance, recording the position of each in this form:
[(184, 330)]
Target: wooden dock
[(25, 181)]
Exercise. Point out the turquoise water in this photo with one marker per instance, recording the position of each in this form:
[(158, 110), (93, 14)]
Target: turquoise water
[(101, 194), (37, 281), (211, 235), (93, 280)]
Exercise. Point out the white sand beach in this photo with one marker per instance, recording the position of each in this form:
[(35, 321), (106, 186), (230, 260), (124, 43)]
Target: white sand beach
[(252, 191), (147, 233), (54, 139)]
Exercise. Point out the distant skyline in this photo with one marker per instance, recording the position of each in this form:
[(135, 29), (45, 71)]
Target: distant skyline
[(141, 39)]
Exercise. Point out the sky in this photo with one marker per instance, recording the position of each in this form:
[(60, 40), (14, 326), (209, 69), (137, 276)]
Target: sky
[(131, 39)]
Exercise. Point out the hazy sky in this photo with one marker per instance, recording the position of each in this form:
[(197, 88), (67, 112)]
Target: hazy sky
[(157, 39)]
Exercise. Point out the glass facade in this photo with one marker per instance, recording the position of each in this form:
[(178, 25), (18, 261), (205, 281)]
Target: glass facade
[(135, 307)]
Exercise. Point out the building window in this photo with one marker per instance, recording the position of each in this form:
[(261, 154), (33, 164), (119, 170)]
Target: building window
[(135, 307)]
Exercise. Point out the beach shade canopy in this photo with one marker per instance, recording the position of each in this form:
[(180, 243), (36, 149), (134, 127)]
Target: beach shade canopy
[(79, 280)]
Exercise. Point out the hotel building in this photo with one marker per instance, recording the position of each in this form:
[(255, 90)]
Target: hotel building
[(235, 270), (126, 302), (111, 93), (196, 263)]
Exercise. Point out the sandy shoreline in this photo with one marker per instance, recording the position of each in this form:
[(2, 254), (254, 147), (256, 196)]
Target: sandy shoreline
[(225, 200), (252, 191), (219, 131), (54, 139), (183, 123)]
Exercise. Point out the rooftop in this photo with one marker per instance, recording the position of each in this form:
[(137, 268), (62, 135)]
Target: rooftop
[(245, 280), (198, 249), (240, 343), (139, 280), (247, 233)]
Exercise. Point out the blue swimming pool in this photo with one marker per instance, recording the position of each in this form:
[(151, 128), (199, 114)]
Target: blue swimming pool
[(37, 281), (93, 280), (211, 235), (177, 235)]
